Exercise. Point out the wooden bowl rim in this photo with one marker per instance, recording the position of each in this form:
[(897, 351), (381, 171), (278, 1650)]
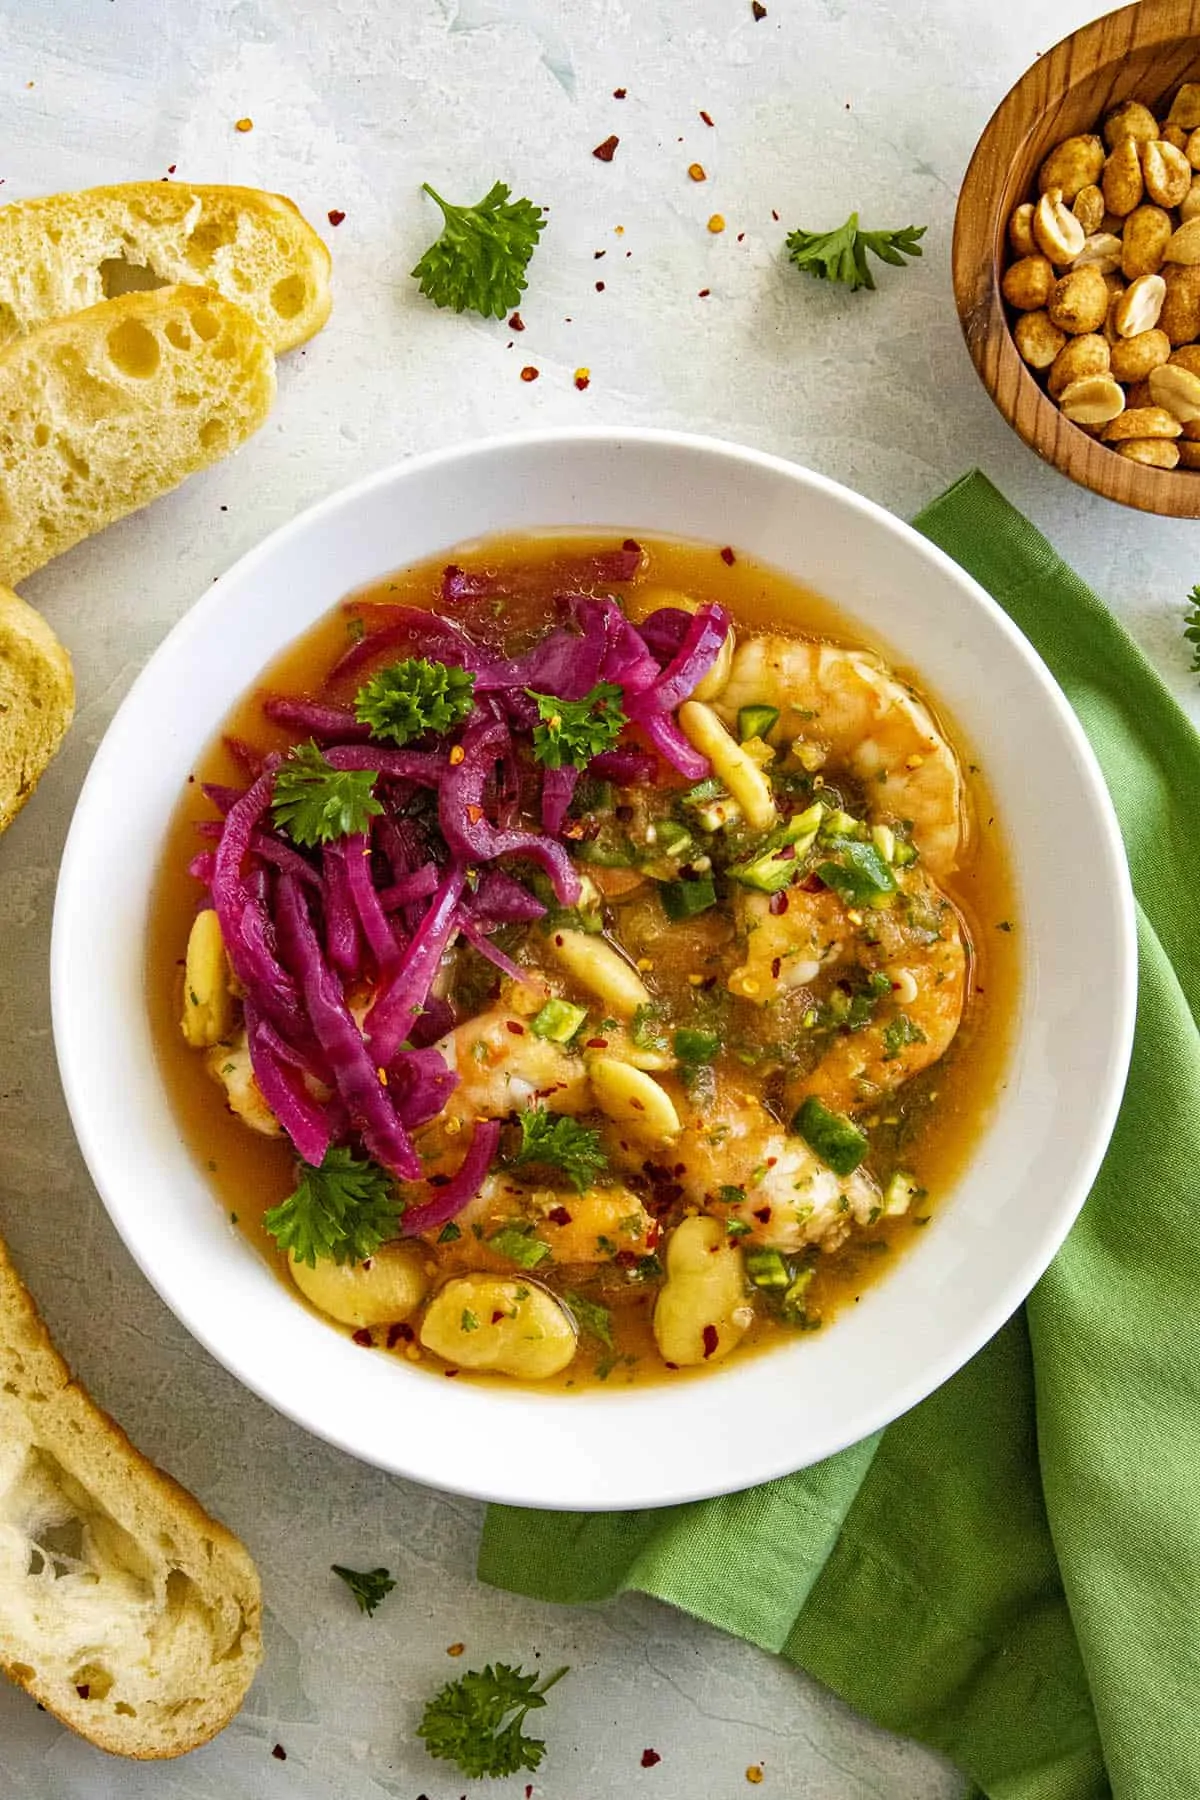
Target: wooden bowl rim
[(1147, 24)]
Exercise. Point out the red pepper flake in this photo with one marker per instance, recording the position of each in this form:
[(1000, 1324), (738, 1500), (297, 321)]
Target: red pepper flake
[(763, 1215), (279, 1753), (583, 379), (704, 293), (650, 1757), (558, 1215), (399, 1334), (455, 1649), (776, 965), (777, 905), (696, 171), (474, 813), (597, 254), (529, 1790), (496, 1317), (607, 150), (705, 116), (758, 9), (709, 1339), (595, 1043), (244, 125), (83, 1690), (529, 373), (619, 93), (741, 237), (516, 322), (449, 1374), (516, 1029), (334, 216), (727, 556), (775, 215), (599, 287), (364, 1339), (171, 167)]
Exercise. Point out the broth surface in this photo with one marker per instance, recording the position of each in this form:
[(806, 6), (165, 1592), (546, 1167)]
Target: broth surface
[(929, 1127)]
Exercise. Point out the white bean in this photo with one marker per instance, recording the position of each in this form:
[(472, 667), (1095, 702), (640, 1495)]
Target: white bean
[(602, 970), (508, 1327), (731, 763), (634, 1099), (702, 1312), (388, 1286)]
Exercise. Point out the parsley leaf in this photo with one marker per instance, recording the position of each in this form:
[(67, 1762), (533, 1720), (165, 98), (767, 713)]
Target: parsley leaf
[(518, 1243), (898, 1033), (476, 1722), (479, 261), (369, 1586), (315, 803), (557, 1142), (591, 1317), (340, 1212), (841, 255), (573, 731), (1191, 628), (414, 696), (648, 1030)]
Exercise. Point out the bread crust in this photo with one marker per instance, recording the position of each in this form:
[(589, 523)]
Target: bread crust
[(159, 1541), (37, 701)]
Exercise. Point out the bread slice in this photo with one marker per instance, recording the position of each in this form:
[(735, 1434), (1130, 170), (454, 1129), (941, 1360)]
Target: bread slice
[(68, 251), (104, 410), (124, 1608), (37, 701)]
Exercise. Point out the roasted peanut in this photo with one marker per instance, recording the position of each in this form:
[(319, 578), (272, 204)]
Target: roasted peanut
[(1146, 236), (1020, 231), (1187, 356), (1177, 390), (1192, 148), (1059, 234), (1189, 206), (1074, 164), (1129, 120), (1138, 308), (1191, 432), (1189, 455), (1183, 245), (1038, 341), (1026, 284), (1079, 301), (1180, 315), (1100, 251), (1185, 108), (1139, 394), (1174, 134), (1086, 355), (1141, 422), (1122, 178), (1131, 359), (1094, 400), (1088, 207), (1166, 172), (1157, 452)]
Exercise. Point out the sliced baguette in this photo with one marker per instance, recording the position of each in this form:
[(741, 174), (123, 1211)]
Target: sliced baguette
[(105, 410), (124, 1609), (37, 701), (67, 251)]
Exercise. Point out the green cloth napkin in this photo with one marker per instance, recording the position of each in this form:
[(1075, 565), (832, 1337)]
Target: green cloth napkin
[(1011, 1572)]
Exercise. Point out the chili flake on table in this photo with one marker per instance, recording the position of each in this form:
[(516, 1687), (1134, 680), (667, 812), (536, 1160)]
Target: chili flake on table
[(529, 373), (335, 216), (607, 150)]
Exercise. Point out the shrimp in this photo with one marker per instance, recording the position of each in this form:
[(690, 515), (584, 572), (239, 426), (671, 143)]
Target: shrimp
[(789, 938), (918, 944), (735, 1161), (229, 1063), (503, 1068), (592, 1227), (850, 704)]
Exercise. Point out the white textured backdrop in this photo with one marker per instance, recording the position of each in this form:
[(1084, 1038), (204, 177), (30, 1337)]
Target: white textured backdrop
[(822, 106)]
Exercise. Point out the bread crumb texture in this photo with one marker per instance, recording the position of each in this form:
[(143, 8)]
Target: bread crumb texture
[(37, 701), (124, 1609), (104, 410), (69, 251)]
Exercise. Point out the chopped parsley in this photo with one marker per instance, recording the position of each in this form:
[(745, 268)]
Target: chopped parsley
[(571, 732), (479, 261), (898, 1033), (369, 1586), (476, 1722), (591, 1317), (517, 1242), (409, 698), (315, 803), (340, 1212), (554, 1141), (841, 255)]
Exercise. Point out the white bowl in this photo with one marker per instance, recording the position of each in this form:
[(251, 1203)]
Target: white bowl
[(990, 1239)]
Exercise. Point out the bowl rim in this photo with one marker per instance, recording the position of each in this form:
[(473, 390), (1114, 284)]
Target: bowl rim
[(977, 252), (763, 1463)]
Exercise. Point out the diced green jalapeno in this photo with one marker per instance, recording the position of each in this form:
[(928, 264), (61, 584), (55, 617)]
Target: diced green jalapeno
[(767, 1269), (756, 721), (558, 1020), (836, 1139), (696, 1046), (684, 899)]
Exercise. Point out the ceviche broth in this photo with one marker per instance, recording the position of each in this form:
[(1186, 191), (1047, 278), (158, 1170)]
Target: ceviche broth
[(713, 1092)]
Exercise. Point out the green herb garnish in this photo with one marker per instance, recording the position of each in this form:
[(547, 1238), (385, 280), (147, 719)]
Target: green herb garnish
[(340, 1212), (480, 259), (412, 697), (518, 1243), (591, 1317), (369, 1586), (476, 1722), (555, 1141), (558, 1020), (685, 899), (841, 255), (648, 1030), (836, 1139), (861, 876), (898, 1033), (316, 803), (573, 731), (696, 1046)]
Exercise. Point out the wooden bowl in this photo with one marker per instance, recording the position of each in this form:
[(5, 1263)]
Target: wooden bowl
[(1142, 52)]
